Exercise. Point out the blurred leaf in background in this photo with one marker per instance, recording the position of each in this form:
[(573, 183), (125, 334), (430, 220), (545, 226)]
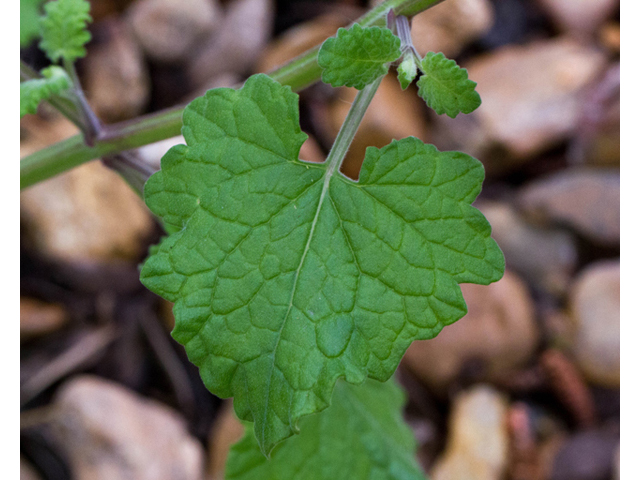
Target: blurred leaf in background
[(29, 16)]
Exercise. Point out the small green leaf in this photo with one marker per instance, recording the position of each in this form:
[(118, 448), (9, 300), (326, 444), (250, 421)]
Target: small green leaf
[(29, 21), (360, 436), (64, 29), (407, 71), (446, 87), (356, 57), (32, 92), (285, 277)]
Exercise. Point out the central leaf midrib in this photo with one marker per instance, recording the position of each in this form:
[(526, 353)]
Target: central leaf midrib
[(327, 180)]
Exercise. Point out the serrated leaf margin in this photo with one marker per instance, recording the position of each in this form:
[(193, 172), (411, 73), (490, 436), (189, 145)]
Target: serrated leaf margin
[(64, 29), (446, 87), (337, 60), (34, 91)]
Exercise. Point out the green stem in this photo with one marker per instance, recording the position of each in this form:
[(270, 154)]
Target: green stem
[(350, 127), (298, 74), (73, 151)]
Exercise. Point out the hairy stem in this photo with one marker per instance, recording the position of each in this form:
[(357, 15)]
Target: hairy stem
[(91, 126), (298, 74), (350, 126), (404, 32)]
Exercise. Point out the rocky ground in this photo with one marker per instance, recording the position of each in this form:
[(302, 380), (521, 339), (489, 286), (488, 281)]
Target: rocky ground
[(525, 387)]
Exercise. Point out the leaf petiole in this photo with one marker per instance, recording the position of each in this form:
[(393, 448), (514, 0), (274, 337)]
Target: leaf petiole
[(350, 126)]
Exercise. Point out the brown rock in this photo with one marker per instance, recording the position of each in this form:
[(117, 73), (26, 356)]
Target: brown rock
[(616, 464), (530, 100), (450, 26), (393, 114), (166, 315), (597, 140), (544, 257), (106, 8), (557, 325), (299, 39), (27, 472), (478, 442), (88, 214), (46, 128), (579, 17), (226, 431), (595, 308), (548, 451), (609, 36), (116, 78), (587, 455), (109, 432), (169, 29), (39, 318), (588, 200), (499, 331), (237, 44)]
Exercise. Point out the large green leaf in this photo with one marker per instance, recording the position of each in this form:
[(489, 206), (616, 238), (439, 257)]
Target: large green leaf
[(357, 56), (286, 278), (361, 436)]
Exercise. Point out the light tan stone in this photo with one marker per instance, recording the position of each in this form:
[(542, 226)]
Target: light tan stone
[(40, 131), (116, 79), (88, 214), (595, 309), (579, 17), (478, 442), (168, 30), (111, 433)]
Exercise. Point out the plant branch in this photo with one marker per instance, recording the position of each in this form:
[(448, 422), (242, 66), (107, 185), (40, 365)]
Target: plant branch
[(298, 74), (73, 151)]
